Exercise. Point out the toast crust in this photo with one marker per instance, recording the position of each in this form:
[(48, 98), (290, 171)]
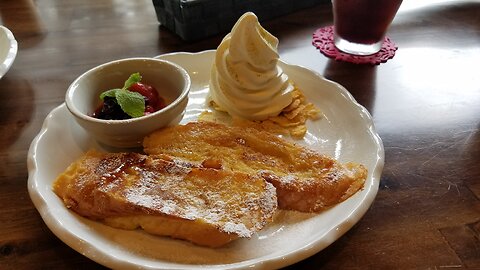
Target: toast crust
[(304, 179), (167, 196)]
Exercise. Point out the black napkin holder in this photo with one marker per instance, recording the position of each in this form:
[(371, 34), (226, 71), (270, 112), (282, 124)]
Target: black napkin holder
[(197, 19)]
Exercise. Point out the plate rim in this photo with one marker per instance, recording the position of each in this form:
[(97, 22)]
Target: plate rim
[(11, 52), (307, 250)]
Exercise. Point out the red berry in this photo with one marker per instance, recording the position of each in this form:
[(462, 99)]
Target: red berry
[(147, 91), (149, 109), (152, 98)]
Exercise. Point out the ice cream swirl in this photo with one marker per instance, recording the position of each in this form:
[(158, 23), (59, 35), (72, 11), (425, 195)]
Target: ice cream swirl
[(246, 80)]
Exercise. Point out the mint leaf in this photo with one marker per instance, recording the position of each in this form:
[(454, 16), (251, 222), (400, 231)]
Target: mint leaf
[(132, 103), (109, 93), (134, 78)]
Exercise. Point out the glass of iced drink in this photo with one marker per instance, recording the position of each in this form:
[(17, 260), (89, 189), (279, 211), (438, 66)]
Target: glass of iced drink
[(360, 25)]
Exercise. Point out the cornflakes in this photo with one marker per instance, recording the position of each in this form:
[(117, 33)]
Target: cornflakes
[(292, 120)]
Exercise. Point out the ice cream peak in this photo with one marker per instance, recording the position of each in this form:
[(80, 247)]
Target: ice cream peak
[(246, 80)]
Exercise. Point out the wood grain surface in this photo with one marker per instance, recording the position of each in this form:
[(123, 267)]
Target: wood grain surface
[(425, 103)]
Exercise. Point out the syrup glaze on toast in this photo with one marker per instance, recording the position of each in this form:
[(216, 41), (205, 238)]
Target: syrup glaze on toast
[(304, 179), (167, 196)]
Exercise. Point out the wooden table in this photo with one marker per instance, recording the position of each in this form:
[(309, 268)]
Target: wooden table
[(425, 103)]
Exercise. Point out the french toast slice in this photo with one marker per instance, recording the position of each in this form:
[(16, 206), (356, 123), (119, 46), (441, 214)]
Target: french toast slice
[(167, 196), (304, 179)]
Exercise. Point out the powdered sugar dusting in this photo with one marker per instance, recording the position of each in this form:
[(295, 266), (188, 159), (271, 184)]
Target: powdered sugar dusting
[(288, 179), (234, 203), (237, 228)]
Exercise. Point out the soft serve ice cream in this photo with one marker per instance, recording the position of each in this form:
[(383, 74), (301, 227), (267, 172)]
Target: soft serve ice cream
[(246, 80)]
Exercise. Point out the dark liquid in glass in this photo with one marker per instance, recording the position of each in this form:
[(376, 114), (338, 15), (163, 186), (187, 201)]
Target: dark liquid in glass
[(364, 21)]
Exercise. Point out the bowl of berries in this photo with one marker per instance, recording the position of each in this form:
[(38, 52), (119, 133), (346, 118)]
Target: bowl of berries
[(122, 101)]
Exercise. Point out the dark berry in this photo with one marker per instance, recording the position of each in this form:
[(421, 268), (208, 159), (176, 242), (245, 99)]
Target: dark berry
[(110, 110)]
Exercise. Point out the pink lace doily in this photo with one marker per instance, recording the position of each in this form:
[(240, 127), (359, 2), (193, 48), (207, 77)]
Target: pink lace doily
[(323, 40)]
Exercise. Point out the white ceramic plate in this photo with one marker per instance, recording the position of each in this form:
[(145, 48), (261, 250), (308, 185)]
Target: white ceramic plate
[(346, 132), (8, 50)]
